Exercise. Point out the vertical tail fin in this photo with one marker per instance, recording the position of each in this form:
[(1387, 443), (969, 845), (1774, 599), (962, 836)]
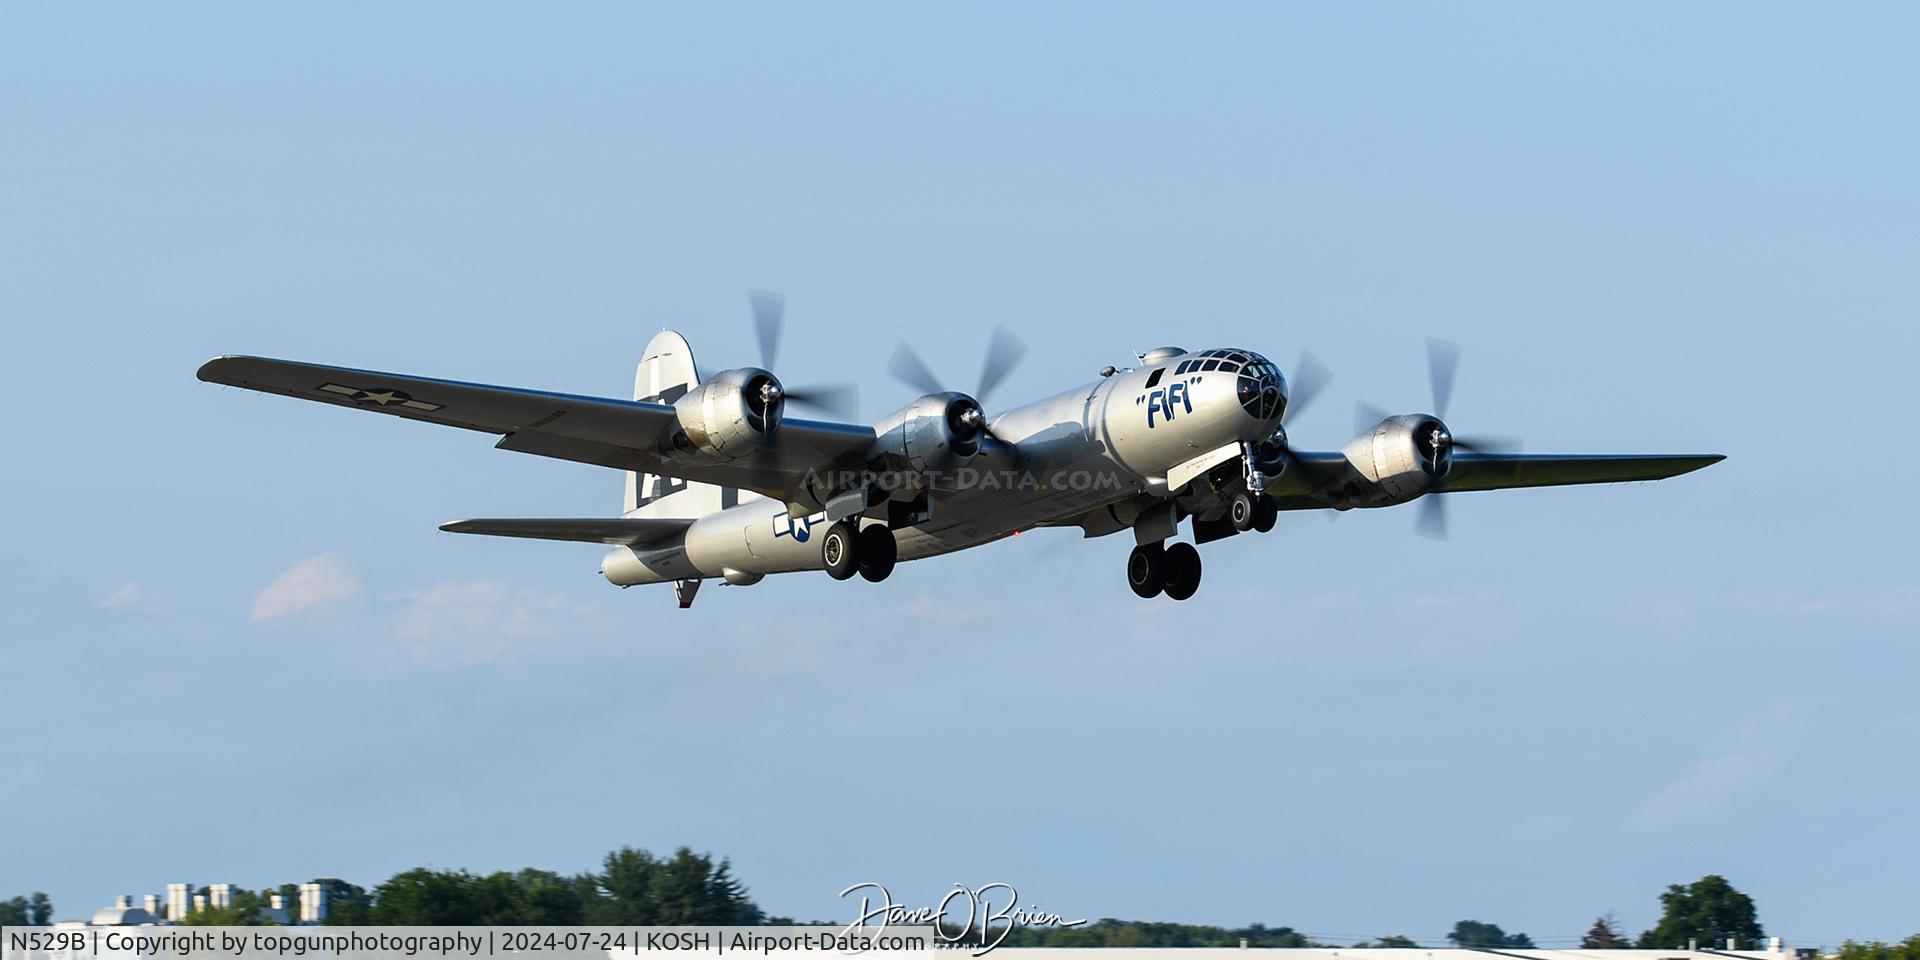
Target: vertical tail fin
[(667, 373)]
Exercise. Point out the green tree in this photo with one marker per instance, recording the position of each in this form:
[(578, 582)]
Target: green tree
[(544, 898), (625, 883), (1908, 949), (531, 898), (1137, 933), (636, 888), (34, 911), (1604, 936), (1395, 940), (422, 897), (1707, 911), (1473, 933), (224, 917), (691, 889), (348, 904)]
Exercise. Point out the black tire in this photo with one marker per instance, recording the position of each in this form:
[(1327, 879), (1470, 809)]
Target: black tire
[(1265, 514), (1183, 571), (878, 551), (840, 550), (1240, 511), (1147, 570)]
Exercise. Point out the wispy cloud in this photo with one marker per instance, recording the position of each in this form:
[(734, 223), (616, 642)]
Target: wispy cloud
[(1745, 758), (463, 623), (308, 584), (133, 598)]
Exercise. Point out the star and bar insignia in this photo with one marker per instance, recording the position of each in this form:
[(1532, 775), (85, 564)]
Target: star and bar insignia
[(381, 397)]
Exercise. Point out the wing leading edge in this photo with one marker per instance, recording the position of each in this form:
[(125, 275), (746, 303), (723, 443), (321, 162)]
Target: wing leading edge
[(1479, 471)]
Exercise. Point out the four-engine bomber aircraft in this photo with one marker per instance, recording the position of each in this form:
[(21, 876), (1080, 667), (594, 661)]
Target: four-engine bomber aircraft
[(721, 483)]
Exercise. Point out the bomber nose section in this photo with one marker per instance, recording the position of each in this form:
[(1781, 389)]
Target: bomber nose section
[(1261, 389)]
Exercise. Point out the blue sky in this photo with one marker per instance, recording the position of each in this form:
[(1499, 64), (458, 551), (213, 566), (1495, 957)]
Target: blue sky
[(1653, 228)]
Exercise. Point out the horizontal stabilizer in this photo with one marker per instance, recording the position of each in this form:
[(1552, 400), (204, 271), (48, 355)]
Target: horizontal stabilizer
[(632, 531)]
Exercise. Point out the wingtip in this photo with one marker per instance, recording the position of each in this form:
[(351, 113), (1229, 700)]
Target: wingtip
[(209, 372), (1701, 462)]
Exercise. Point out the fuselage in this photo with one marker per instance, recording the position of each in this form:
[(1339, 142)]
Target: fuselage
[(1114, 440)]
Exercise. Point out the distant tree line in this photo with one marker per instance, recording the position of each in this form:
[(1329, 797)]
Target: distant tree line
[(1140, 933), (634, 887), (1908, 949), (31, 911)]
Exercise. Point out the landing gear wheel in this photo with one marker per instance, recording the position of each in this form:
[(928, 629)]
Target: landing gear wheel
[(1240, 510), (878, 550), (1183, 571), (1147, 569), (1264, 514), (840, 550)]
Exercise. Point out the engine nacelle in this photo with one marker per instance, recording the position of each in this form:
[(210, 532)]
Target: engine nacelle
[(731, 414), (1401, 458), (935, 432)]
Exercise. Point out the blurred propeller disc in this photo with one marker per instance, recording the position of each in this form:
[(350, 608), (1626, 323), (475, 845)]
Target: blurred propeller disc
[(769, 310), (840, 400), (1500, 446), (1366, 416), (907, 368), (1310, 378), (1443, 362), (1432, 522), (1003, 354)]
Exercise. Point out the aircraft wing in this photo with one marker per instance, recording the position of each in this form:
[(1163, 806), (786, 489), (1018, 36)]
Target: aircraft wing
[(627, 531), (1300, 489), (1484, 471), (623, 434)]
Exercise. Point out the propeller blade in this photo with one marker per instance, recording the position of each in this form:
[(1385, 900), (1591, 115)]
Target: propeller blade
[(768, 310), (1432, 522), (1443, 361), (1501, 446), (1309, 378), (1366, 416), (907, 368), (839, 400), (1003, 354)]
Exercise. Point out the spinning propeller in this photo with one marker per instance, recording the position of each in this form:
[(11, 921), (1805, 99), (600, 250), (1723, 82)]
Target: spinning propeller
[(840, 400), (1307, 380), (1004, 353), (1443, 364)]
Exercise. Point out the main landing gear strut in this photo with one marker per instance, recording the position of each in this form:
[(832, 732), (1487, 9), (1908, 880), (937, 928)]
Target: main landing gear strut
[(869, 551), (1155, 568)]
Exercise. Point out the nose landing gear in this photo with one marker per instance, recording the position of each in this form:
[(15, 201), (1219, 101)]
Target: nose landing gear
[(1154, 568)]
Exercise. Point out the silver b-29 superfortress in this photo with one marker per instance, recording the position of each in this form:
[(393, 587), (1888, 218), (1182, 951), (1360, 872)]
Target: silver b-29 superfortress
[(721, 483)]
